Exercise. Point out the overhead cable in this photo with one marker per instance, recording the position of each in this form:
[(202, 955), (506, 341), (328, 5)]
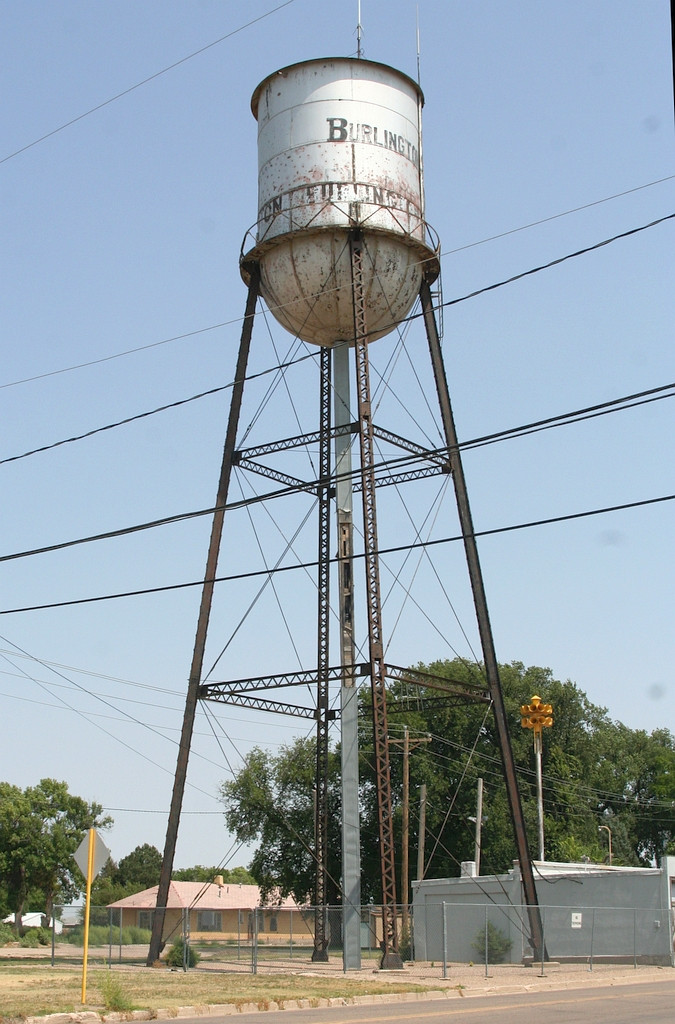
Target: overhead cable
[(309, 565), (627, 401), (153, 412), (150, 78), (235, 320)]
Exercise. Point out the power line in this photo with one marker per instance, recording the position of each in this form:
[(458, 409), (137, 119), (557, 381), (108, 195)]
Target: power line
[(90, 716), (556, 216), (153, 412), (451, 302), (558, 261), (150, 78), (618, 404), (119, 355), (310, 565), (145, 810)]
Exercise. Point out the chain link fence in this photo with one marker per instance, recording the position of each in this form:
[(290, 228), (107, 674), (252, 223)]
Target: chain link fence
[(493, 934), (433, 939)]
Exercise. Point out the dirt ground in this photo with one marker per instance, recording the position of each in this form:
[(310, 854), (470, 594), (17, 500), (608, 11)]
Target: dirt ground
[(466, 979)]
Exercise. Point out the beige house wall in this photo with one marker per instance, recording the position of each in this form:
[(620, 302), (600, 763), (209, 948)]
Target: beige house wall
[(274, 925)]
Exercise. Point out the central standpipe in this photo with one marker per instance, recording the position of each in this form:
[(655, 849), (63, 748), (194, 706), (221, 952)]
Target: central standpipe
[(349, 706)]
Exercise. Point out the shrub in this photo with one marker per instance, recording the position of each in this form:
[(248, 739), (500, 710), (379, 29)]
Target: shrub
[(498, 945), (134, 936), (100, 935), (114, 996), (174, 957), (30, 940), (7, 934)]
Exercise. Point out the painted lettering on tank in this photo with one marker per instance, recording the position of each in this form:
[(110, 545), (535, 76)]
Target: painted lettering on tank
[(337, 129), (342, 130), (292, 202)]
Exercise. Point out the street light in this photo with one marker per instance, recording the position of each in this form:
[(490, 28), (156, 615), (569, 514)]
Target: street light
[(538, 716), (609, 836)]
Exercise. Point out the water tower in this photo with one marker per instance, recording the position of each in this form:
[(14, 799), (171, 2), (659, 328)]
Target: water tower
[(339, 153), (340, 253)]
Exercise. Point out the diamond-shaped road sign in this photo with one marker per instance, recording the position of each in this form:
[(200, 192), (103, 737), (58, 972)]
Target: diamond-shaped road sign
[(101, 854)]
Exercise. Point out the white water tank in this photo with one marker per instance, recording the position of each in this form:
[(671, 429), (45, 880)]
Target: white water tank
[(339, 149)]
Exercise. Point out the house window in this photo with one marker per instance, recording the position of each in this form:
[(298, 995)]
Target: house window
[(209, 921), (274, 923), (145, 919)]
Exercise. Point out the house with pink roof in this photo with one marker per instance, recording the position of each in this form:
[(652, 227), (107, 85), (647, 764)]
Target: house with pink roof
[(227, 911)]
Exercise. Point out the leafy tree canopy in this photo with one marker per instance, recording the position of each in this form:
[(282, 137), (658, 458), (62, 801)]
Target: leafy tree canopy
[(41, 827), (271, 800), (141, 868), (596, 772)]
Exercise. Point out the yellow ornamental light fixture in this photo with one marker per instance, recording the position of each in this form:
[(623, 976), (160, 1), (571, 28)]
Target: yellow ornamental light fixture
[(536, 715)]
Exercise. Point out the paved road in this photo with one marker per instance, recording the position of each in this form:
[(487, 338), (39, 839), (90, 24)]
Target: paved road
[(644, 1003)]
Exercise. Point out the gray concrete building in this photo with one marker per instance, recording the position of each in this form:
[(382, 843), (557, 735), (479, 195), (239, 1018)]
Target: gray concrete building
[(589, 911)]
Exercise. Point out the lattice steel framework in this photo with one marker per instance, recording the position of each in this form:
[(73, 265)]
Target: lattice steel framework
[(390, 954), (416, 463), (320, 951), (203, 620)]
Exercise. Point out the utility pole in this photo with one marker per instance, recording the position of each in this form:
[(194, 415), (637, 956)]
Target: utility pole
[(421, 832), (479, 825), (609, 837), (407, 745)]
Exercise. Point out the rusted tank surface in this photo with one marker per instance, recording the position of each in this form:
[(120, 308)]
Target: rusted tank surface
[(339, 149)]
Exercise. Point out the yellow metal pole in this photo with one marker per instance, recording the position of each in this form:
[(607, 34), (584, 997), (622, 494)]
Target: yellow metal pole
[(90, 872)]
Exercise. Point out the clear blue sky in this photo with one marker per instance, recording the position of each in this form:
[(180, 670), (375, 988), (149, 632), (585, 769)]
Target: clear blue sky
[(121, 234)]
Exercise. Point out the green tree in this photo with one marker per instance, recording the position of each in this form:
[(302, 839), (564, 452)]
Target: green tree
[(14, 813), (270, 801), (138, 870), (141, 868), (40, 830), (596, 772), (106, 888)]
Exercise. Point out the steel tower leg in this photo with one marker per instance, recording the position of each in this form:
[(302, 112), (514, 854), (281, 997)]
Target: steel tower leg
[(320, 952), (203, 620), (484, 627), (390, 955)]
